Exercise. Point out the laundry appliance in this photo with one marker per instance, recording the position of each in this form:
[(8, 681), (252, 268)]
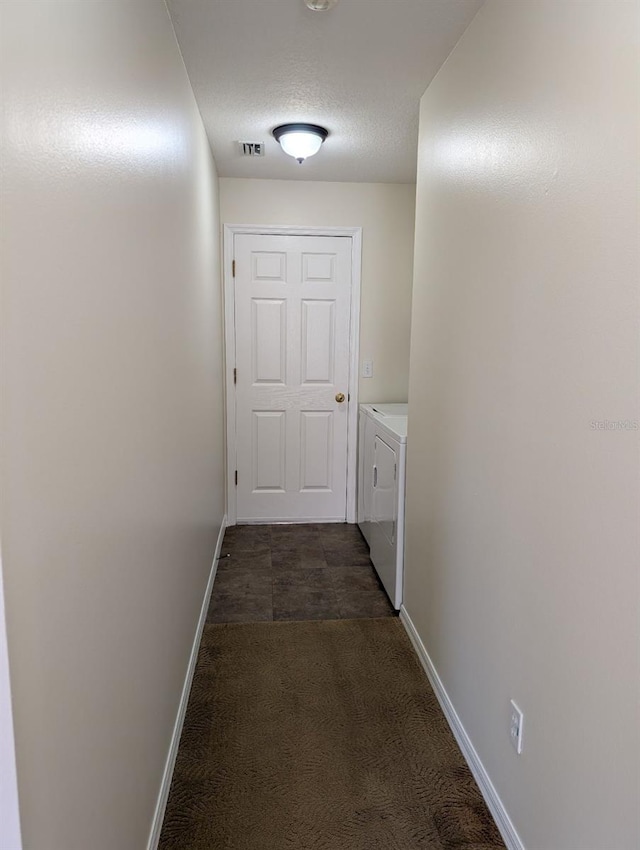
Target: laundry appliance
[(382, 444)]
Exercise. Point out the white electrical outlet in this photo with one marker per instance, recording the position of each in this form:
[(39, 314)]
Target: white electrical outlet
[(515, 727), (367, 368)]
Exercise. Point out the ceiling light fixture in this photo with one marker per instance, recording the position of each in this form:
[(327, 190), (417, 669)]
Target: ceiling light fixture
[(320, 5), (300, 140)]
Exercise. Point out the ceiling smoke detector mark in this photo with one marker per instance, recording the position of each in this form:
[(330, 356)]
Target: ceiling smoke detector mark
[(252, 148)]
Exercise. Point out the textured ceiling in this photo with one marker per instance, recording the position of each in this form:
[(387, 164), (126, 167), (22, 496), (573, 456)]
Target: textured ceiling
[(359, 70)]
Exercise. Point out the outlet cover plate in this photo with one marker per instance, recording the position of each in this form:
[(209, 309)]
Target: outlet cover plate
[(515, 727)]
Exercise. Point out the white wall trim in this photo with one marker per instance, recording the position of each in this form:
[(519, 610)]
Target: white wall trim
[(355, 233), (10, 837), (161, 805), (487, 788)]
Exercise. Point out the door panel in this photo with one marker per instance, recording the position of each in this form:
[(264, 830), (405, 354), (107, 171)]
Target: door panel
[(316, 450), (268, 266), (292, 325), (318, 342), (319, 268), (268, 451), (269, 340)]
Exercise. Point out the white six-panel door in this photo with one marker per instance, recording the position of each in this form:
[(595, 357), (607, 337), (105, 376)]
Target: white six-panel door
[(292, 317)]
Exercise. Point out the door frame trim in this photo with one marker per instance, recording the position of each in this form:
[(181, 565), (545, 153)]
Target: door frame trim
[(228, 234)]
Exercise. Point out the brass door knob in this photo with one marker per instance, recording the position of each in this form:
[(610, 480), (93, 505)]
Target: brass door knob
[(339, 397)]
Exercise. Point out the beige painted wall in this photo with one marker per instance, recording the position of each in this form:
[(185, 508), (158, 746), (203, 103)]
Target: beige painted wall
[(111, 423), (385, 211), (522, 516)]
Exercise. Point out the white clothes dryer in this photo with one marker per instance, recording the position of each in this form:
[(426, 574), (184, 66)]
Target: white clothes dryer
[(382, 443)]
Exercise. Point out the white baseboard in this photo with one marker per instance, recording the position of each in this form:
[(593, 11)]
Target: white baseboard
[(493, 801), (290, 521), (161, 805)]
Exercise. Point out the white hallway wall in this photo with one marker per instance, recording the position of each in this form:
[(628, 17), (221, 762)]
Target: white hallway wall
[(522, 518), (385, 211), (111, 422)]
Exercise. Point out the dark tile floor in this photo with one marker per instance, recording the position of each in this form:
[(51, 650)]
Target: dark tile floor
[(295, 572)]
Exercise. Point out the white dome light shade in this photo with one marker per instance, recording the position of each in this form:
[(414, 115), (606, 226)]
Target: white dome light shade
[(320, 5), (300, 140), (300, 145)]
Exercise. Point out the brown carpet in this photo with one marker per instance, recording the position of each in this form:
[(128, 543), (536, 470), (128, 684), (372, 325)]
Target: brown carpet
[(319, 736)]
